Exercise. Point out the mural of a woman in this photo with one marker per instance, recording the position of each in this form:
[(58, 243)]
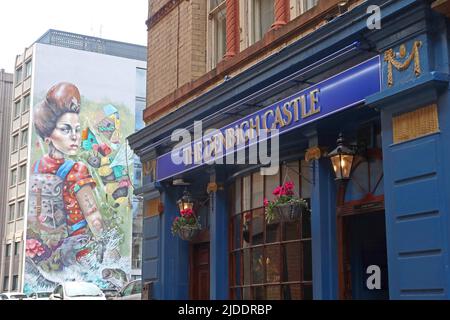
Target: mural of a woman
[(57, 122), (63, 220)]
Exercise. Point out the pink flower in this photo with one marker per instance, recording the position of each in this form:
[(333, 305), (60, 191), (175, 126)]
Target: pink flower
[(34, 248), (289, 186), (266, 202), (277, 191), (187, 213)]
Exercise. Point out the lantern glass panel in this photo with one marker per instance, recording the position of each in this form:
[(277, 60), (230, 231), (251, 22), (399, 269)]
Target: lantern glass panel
[(336, 161), (346, 165)]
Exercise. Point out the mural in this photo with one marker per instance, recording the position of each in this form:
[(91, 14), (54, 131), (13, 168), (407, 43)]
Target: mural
[(79, 207)]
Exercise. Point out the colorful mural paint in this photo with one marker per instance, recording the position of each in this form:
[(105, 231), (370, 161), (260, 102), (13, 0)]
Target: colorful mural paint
[(79, 191)]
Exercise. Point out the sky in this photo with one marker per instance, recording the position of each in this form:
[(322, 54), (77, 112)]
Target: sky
[(23, 22)]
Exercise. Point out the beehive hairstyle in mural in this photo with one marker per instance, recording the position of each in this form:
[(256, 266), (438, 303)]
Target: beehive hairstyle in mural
[(61, 98)]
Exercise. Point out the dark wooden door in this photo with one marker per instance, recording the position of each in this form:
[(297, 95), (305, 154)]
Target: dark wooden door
[(200, 272)]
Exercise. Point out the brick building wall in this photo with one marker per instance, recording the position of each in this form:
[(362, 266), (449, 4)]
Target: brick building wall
[(177, 49), (176, 46)]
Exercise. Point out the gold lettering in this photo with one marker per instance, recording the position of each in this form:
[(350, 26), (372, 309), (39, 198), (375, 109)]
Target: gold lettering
[(265, 118), (305, 113), (297, 103), (278, 119), (314, 102), (287, 113), (243, 137), (256, 125), (230, 139)]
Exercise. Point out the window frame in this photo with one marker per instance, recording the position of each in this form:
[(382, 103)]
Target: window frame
[(8, 250), (304, 240), (12, 212), (21, 205), (28, 69), (6, 283), (16, 248), (23, 143), (15, 142), (18, 75), (255, 19), (211, 39), (22, 177), (17, 109), (26, 106), (15, 283), (13, 177)]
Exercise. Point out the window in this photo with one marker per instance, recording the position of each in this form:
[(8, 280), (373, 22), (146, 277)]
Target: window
[(15, 143), (22, 173), (12, 212), (5, 283), (18, 75), (8, 250), (270, 260), (16, 248), (263, 18), (141, 83), (21, 209), (15, 283), (299, 7), (16, 111), (28, 67), (139, 116), (26, 104), (24, 140), (13, 180), (217, 32)]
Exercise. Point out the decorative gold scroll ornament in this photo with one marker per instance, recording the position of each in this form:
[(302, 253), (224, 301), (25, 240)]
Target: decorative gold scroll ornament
[(389, 57), (315, 153)]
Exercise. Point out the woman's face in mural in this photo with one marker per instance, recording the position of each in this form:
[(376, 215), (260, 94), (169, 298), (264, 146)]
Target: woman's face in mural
[(66, 137)]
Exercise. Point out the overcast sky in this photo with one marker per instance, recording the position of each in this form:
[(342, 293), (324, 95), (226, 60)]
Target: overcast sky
[(23, 22)]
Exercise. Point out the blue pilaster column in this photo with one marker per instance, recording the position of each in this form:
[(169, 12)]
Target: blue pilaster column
[(219, 222), (323, 227), (174, 251), (416, 166)]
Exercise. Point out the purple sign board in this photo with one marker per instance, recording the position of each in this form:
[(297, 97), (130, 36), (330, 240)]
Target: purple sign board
[(335, 94)]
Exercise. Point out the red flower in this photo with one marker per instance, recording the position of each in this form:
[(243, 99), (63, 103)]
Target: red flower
[(186, 213), (277, 191), (266, 202), (289, 186)]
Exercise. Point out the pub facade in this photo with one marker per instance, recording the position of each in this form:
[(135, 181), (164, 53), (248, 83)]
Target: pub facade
[(358, 125)]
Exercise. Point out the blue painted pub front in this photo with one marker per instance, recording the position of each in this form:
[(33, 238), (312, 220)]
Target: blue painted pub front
[(381, 234)]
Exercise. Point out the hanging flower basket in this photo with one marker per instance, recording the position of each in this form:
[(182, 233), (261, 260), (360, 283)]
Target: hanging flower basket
[(290, 211), (187, 233), (286, 206), (186, 226)]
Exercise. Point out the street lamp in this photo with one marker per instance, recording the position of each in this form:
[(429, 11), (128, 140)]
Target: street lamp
[(342, 159), (186, 201)]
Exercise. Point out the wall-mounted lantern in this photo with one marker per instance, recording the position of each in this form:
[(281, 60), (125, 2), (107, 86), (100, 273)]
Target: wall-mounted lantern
[(342, 159), (186, 201)]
